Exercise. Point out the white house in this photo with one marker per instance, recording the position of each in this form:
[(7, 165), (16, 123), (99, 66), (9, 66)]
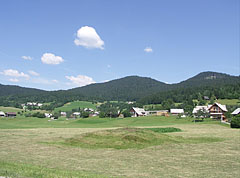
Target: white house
[(63, 113), (137, 112), (48, 115), (2, 114), (236, 112), (88, 109), (176, 111), (198, 108), (76, 113)]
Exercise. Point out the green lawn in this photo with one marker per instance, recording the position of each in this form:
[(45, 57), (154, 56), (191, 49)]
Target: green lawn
[(94, 122), (76, 105)]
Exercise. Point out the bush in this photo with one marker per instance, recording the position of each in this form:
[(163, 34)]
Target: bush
[(235, 122)]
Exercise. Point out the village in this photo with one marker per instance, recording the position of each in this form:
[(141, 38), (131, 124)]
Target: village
[(215, 111)]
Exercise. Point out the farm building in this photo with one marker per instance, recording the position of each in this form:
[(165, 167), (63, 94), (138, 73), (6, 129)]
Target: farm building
[(198, 108), (136, 112), (64, 114), (176, 111), (48, 115), (157, 113), (217, 111), (75, 114), (2, 114), (11, 114), (236, 112)]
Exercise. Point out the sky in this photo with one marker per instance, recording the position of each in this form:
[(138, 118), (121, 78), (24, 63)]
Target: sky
[(62, 44)]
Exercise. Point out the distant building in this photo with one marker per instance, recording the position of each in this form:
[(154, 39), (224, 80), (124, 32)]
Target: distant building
[(158, 113), (11, 114), (217, 111), (136, 112), (205, 97), (236, 112), (198, 108), (176, 111), (76, 114), (64, 114), (48, 115), (2, 114), (88, 109)]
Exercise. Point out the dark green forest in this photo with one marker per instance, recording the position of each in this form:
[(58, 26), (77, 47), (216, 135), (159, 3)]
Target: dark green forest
[(133, 88)]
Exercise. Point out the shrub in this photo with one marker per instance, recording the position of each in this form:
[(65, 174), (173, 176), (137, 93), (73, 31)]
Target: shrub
[(235, 122)]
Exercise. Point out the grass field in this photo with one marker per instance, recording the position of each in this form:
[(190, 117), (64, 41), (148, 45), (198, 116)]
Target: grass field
[(10, 109), (207, 149), (229, 101), (76, 105)]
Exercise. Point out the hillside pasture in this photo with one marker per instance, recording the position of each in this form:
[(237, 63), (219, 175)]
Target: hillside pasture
[(10, 109), (229, 101), (76, 105)]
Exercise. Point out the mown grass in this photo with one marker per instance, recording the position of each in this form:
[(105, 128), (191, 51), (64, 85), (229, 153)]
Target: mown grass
[(20, 170), (204, 150), (130, 138), (75, 105)]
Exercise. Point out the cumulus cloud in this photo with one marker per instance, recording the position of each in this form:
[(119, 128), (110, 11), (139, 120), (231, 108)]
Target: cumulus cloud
[(33, 73), (80, 80), (13, 80), (88, 37), (49, 58), (14, 73), (27, 57), (148, 50)]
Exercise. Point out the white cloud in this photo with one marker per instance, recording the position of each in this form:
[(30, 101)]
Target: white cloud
[(80, 80), (13, 80), (27, 57), (148, 50), (88, 37), (55, 81), (33, 73), (14, 73), (49, 58)]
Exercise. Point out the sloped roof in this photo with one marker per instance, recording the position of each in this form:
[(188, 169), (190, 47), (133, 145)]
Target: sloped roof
[(139, 111), (236, 111), (197, 108), (222, 107), (177, 111), (2, 113)]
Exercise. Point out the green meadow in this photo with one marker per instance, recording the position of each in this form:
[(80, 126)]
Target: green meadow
[(113, 147), (76, 105)]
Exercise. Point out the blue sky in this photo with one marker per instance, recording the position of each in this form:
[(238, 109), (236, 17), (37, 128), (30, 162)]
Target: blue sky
[(69, 43)]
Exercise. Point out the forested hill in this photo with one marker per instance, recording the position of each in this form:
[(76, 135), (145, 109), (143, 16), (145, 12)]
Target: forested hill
[(6, 90), (126, 89), (208, 79)]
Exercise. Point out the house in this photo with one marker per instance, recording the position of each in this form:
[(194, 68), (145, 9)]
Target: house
[(64, 114), (75, 114), (236, 112), (176, 111), (48, 115), (205, 97), (2, 114), (88, 109), (198, 108), (217, 111), (137, 112), (39, 104), (11, 114)]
